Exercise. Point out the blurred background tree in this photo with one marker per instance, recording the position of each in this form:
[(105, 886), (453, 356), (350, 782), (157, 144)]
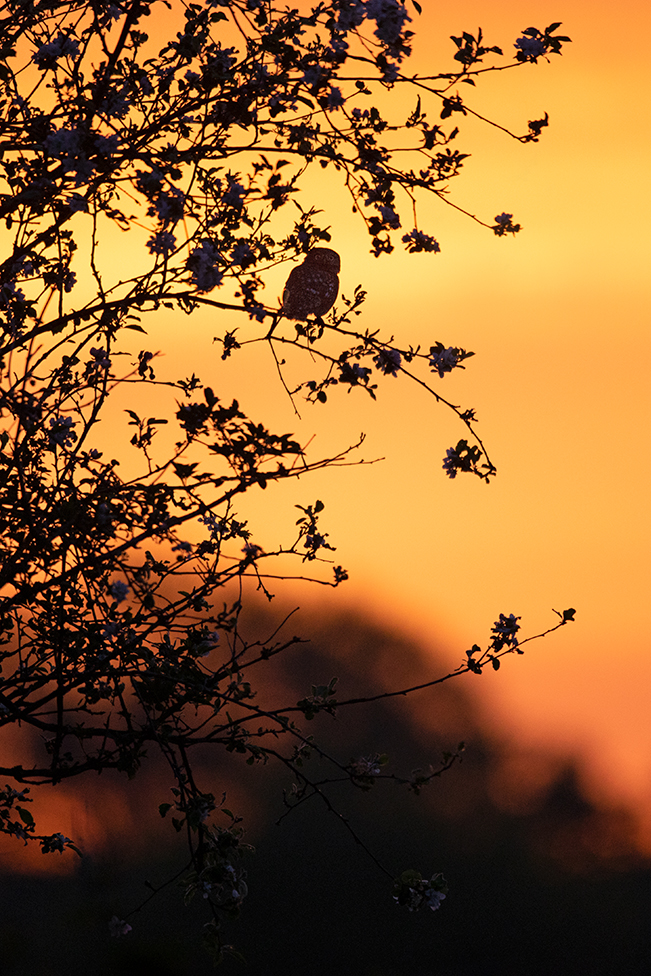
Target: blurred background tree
[(542, 879)]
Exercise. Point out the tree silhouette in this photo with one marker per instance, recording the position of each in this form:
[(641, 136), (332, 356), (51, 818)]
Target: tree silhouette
[(120, 631)]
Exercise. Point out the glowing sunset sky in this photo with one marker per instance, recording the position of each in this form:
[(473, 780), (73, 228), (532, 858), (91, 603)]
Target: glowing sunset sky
[(558, 318), (559, 321)]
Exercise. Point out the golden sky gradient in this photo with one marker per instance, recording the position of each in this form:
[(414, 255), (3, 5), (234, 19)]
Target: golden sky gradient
[(559, 320)]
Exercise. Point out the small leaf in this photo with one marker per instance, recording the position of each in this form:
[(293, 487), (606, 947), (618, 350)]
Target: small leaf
[(183, 471)]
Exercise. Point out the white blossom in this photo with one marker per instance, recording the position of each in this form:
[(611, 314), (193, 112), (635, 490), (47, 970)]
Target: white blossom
[(118, 591), (118, 927)]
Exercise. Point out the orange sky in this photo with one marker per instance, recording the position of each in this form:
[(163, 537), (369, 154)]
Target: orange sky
[(559, 320)]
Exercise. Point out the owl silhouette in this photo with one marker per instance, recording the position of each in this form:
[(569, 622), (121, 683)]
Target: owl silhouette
[(312, 287)]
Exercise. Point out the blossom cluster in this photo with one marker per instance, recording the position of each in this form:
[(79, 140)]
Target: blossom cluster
[(505, 632), (415, 892), (203, 266), (444, 360), (61, 432), (80, 151), (531, 46), (61, 46), (388, 361), (504, 225), (463, 457)]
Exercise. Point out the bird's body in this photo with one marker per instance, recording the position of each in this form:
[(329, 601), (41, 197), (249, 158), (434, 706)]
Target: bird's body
[(312, 287)]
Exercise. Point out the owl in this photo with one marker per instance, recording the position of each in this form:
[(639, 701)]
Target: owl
[(312, 287)]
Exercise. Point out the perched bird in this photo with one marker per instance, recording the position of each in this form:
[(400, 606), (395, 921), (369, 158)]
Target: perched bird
[(312, 287)]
